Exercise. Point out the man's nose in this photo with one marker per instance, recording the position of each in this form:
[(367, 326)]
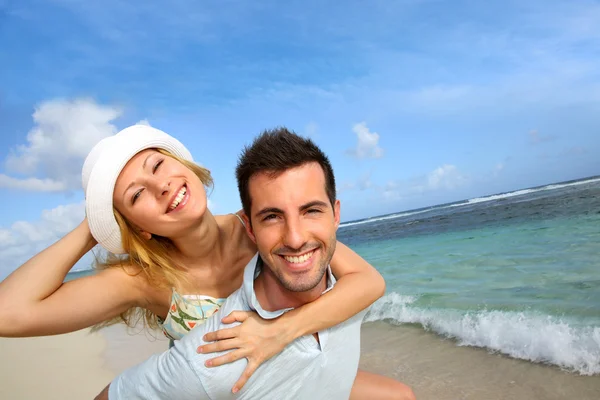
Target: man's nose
[(294, 235)]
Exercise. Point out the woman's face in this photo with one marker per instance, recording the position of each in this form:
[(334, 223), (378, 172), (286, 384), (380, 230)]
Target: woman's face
[(159, 195)]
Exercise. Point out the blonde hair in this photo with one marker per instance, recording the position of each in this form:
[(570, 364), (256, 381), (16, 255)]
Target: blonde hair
[(153, 258)]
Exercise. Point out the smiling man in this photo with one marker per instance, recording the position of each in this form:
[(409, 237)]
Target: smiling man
[(287, 188)]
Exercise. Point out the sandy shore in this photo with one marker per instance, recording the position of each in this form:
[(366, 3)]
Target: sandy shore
[(79, 365), (55, 367), (438, 369)]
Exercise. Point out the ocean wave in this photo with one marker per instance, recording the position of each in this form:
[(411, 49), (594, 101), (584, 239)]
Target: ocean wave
[(528, 191), (472, 201), (503, 196), (385, 217), (528, 336)]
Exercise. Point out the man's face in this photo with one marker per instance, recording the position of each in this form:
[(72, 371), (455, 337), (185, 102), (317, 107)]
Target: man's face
[(294, 225)]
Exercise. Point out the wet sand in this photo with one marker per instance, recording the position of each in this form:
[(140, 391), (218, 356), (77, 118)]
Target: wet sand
[(438, 369)]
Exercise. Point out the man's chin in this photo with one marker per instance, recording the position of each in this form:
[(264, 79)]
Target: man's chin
[(303, 282)]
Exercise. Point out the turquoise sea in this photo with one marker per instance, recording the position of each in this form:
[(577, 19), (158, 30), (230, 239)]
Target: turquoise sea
[(516, 273)]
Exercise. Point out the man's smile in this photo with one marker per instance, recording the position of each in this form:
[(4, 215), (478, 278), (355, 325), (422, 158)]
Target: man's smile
[(301, 262)]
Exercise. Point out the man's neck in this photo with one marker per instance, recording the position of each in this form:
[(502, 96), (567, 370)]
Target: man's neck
[(272, 296)]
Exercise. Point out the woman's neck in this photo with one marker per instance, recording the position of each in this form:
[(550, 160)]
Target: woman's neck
[(203, 244)]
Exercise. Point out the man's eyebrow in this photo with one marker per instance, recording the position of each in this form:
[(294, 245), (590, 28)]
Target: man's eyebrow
[(316, 203), (275, 210), (268, 210)]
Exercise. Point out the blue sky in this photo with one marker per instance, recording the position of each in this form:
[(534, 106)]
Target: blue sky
[(416, 102)]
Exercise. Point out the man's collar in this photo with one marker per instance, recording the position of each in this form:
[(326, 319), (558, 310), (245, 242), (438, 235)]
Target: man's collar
[(251, 272)]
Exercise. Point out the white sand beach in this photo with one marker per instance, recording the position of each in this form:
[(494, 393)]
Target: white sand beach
[(55, 367), (77, 365)]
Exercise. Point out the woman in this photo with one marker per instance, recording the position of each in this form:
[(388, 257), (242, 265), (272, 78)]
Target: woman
[(178, 265)]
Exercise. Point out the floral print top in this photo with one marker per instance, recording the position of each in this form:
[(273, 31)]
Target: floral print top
[(186, 312)]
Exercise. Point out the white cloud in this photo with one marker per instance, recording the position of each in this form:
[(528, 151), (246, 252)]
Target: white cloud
[(536, 138), (32, 184), (368, 143), (6, 237), (444, 178), (64, 133), (24, 239), (364, 182), (143, 122)]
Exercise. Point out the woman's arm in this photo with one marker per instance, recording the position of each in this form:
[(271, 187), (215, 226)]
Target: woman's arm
[(358, 286), (34, 301)]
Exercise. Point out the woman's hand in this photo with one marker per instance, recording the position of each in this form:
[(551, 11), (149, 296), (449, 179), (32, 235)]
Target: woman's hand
[(255, 338)]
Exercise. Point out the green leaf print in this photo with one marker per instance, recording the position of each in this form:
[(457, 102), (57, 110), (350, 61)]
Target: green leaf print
[(188, 316), (180, 321)]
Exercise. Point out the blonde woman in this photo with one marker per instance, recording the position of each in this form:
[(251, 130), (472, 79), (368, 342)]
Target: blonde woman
[(146, 199)]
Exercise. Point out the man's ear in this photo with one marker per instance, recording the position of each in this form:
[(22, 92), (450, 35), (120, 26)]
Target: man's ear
[(248, 226), (336, 213)]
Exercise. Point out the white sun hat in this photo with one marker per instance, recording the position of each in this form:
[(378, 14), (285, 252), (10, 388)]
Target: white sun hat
[(102, 168)]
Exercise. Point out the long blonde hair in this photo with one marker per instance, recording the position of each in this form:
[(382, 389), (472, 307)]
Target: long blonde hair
[(153, 258)]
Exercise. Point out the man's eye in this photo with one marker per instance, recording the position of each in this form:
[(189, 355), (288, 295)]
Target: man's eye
[(157, 165), (135, 196), (270, 216), (314, 210)]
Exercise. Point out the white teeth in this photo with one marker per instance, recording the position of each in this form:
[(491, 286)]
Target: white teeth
[(297, 260), (178, 198)]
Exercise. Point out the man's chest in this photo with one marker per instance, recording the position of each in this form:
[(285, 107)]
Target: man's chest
[(306, 368)]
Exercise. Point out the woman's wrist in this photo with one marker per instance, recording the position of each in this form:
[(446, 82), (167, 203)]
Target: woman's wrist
[(84, 229), (290, 329)]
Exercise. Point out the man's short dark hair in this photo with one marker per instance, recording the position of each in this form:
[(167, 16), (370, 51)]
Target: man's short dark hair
[(275, 151)]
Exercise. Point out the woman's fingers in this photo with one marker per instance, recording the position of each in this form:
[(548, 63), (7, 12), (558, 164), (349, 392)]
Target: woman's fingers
[(250, 369), (221, 345), (222, 334), (236, 316), (226, 358)]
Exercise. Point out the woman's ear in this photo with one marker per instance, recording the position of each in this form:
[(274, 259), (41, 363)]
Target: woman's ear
[(145, 235)]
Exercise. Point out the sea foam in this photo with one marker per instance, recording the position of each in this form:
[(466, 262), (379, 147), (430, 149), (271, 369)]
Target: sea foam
[(524, 335)]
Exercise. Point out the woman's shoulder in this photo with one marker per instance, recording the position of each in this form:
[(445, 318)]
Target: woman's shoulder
[(133, 277)]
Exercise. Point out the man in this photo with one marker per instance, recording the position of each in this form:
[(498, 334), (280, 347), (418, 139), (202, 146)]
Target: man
[(287, 189)]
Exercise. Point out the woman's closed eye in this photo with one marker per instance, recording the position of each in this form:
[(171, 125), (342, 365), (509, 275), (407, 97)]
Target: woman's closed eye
[(157, 164), (136, 195)]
